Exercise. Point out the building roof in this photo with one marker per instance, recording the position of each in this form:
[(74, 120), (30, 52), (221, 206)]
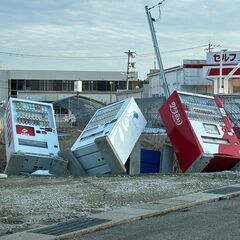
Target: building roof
[(69, 75)]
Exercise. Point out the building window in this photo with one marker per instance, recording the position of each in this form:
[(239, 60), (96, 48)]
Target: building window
[(107, 85), (39, 85), (21, 85), (122, 85), (57, 85), (28, 85), (35, 85)]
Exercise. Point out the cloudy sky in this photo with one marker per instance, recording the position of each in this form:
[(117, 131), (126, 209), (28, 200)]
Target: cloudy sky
[(93, 35)]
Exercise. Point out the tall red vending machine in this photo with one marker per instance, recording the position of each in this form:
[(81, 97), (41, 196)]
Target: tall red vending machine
[(201, 133)]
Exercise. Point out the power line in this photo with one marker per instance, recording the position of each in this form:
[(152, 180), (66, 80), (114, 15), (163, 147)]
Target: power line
[(159, 11), (158, 4), (14, 54), (185, 49), (176, 50)]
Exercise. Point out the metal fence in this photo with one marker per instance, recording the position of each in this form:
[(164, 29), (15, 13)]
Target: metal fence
[(231, 103), (84, 108), (150, 109)]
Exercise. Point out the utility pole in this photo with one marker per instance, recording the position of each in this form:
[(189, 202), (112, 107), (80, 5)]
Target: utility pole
[(162, 77), (211, 46), (130, 65)]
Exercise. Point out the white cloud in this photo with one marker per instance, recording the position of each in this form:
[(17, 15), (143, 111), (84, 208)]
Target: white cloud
[(111, 27)]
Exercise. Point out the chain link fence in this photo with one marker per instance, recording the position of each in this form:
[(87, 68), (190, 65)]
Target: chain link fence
[(231, 103), (150, 109)]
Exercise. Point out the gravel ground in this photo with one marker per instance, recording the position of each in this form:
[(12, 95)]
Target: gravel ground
[(28, 202)]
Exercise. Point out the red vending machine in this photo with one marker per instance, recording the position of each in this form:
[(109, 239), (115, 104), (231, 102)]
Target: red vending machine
[(201, 133)]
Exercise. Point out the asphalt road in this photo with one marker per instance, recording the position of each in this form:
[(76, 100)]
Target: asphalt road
[(219, 220)]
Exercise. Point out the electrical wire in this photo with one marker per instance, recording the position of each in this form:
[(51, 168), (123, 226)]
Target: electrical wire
[(57, 57), (158, 4), (159, 10), (14, 54), (173, 51), (185, 49), (228, 47)]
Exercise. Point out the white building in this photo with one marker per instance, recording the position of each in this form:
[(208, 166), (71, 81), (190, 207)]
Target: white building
[(187, 77), (200, 76), (47, 85)]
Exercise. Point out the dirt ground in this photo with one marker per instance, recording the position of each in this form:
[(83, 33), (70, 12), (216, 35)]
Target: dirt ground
[(31, 201), (28, 202)]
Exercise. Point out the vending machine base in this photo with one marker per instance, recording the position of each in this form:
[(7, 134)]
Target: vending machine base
[(221, 163), (91, 159), (201, 162), (236, 167), (22, 164), (213, 163), (74, 167), (107, 150)]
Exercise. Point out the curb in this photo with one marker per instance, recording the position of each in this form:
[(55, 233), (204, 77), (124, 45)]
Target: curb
[(142, 217)]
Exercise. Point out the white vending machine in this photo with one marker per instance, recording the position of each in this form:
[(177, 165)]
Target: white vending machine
[(109, 138), (31, 137)]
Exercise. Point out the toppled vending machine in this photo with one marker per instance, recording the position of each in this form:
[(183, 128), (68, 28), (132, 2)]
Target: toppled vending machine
[(109, 138), (31, 138), (200, 132)]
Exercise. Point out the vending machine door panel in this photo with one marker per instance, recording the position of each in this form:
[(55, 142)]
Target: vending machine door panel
[(31, 135), (180, 131)]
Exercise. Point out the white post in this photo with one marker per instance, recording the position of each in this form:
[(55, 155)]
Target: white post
[(215, 85), (230, 85), (225, 86), (220, 73), (227, 80)]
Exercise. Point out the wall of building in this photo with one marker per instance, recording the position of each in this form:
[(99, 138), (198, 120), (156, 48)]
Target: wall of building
[(175, 78), (155, 86), (3, 85), (146, 90), (188, 77), (47, 85), (197, 89)]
